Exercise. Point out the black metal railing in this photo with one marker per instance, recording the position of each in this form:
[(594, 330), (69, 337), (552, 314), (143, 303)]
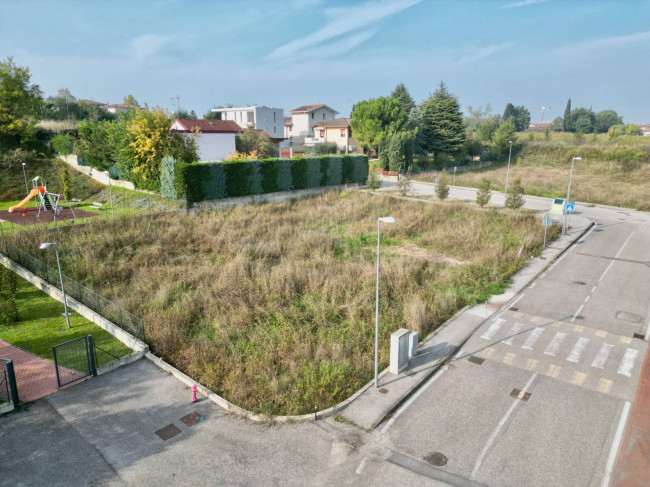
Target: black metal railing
[(102, 306), (8, 388)]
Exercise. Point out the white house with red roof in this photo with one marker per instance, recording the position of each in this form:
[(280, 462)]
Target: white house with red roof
[(215, 138), (299, 129), (257, 117)]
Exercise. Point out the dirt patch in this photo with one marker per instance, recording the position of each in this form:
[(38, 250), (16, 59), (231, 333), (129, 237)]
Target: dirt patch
[(409, 249), (32, 217)]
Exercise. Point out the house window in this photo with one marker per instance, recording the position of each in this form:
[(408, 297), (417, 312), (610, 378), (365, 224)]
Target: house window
[(312, 114), (322, 134), (323, 116), (273, 117), (342, 132)]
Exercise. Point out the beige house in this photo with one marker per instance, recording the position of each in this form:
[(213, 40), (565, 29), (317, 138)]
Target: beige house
[(298, 130), (338, 131)]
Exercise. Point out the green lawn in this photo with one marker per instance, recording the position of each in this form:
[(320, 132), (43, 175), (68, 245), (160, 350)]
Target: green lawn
[(42, 326)]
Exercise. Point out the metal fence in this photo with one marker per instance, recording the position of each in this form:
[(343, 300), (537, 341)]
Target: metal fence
[(74, 360), (8, 389), (102, 306)]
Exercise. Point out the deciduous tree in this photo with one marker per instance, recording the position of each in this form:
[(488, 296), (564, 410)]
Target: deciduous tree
[(374, 121)]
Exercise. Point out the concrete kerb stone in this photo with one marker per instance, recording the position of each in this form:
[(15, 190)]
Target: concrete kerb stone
[(126, 338), (116, 364), (6, 408)]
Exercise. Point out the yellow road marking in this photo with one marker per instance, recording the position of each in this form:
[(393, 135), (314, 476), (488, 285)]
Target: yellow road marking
[(536, 319), (487, 352), (601, 333), (605, 386), (509, 358), (557, 324), (578, 378), (578, 328), (625, 340), (553, 371), (517, 315), (531, 364)]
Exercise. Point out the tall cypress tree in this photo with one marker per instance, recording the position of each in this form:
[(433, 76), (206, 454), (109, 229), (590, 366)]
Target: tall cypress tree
[(566, 123), (401, 94), (443, 128)]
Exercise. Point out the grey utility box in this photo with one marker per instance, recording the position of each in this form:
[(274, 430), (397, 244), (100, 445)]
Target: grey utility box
[(399, 351), (413, 344)]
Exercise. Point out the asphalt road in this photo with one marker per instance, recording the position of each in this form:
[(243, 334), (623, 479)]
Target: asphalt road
[(538, 396)]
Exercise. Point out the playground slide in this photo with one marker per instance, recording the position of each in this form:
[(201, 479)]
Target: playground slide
[(31, 194)]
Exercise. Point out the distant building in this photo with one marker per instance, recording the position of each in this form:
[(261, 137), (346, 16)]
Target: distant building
[(646, 128), (216, 138), (256, 117), (121, 108), (95, 103), (539, 125), (299, 129), (337, 130)]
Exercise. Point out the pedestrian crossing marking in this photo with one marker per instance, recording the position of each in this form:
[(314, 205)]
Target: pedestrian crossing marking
[(605, 386), (601, 333), (578, 378), (516, 328), (532, 338), (509, 357), (537, 319), (578, 328), (557, 324), (554, 346), (627, 364), (553, 371), (603, 355), (576, 351), (625, 340), (531, 364), (494, 327), (487, 352)]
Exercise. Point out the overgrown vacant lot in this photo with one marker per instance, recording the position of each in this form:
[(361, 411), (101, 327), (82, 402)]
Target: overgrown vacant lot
[(273, 306), (612, 175)]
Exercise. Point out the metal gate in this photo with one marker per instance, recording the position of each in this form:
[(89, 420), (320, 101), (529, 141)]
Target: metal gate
[(8, 389), (74, 360)]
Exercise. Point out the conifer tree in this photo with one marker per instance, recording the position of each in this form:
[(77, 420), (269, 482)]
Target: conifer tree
[(443, 128)]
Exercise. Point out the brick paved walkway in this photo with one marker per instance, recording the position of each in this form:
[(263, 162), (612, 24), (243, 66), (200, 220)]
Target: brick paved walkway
[(634, 460), (35, 376)]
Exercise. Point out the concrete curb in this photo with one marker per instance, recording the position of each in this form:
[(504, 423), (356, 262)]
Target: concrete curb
[(6, 408), (116, 364)]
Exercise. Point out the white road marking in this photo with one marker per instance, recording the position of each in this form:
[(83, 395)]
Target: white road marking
[(576, 351), (627, 364), (616, 257), (615, 445), (647, 332), (554, 346), (360, 467), (593, 289), (413, 398), (603, 355), (542, 276), (577, 313), (494, 327), (532, 338), (558, 261), (587, 234), (494, 434), (533, 284), (587, 298), (516, 328)]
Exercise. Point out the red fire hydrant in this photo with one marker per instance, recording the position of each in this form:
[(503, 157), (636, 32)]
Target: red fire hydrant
[(194, 393)]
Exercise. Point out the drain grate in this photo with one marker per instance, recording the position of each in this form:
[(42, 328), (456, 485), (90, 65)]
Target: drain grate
[(383, 390), (168, 432), (436, 459), (512, 308), (192, 418), (476, 360), (639, 335), (517, 394)]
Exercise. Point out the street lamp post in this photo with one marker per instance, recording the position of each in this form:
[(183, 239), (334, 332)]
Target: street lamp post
[(47, 245), (110, 190), (25, 176), (508, 172), (386, 219), (568, 195)]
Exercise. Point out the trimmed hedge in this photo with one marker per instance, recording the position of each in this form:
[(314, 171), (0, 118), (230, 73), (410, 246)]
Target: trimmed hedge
[(215, 180)]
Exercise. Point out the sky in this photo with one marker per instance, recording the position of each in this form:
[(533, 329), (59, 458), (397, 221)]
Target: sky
[(295, 52)]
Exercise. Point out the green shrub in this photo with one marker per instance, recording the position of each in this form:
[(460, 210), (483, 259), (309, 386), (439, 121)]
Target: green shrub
[(214, 182), (270, 170), (347, 169), (483, 195), (313, 172), (515, 198), (238, 177), (360, 173), (255, 177), (299, 173), (373, 180), (335, 172), (324, 170), (324, 148), (62, 144), (284, 174), (168, 177)]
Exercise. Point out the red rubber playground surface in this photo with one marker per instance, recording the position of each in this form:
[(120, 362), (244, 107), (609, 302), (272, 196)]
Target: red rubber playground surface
[(31, 216)]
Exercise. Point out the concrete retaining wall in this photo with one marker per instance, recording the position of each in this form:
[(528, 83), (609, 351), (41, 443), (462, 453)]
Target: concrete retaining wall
[(100, 176)]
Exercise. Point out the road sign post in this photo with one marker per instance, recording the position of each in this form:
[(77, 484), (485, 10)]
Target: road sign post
[(546, 222), (455, 167)]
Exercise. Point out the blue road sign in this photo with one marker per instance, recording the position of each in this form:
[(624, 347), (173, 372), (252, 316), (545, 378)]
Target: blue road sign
[(569, 208)]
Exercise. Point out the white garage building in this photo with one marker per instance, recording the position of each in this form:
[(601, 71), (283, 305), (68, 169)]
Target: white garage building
[(215, 138)]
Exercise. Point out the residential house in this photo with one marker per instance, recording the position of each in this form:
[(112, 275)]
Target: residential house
[(646, 129), (256, 117), (120, 108), (337, 130), (216, 138), (98, 104), (299, 129)]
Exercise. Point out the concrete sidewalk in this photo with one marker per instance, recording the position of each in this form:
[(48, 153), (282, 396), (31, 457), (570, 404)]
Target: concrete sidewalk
[(373, 404)]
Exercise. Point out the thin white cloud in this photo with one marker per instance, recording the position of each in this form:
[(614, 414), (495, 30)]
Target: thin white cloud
[(522, 3), (608, 43), (483, 53), (341, 21), (146, 47), (336, 48)]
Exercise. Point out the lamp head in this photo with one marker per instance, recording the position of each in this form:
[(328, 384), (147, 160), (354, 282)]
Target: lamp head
[(387, 219), (577, 158), (24, 163), (510, 142), (46, 245)]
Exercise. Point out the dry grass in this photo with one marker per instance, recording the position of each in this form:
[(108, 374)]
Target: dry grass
[(615, 175), (273, 306)]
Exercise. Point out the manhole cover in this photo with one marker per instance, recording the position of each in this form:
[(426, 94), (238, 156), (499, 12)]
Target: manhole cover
[(631, 317), (167, 432), (383, 390), (436, 459), (192, 418), (517, 394), (581, 283), (476, 360)]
